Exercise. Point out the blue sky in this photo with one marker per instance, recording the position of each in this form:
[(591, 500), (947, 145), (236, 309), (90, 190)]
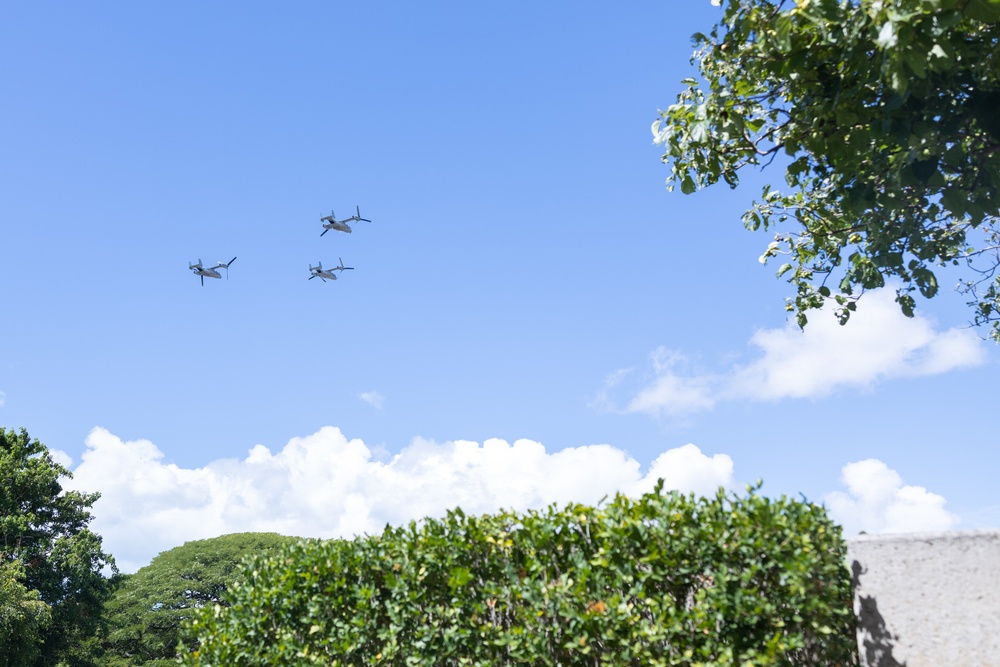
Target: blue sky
[(526, 275)]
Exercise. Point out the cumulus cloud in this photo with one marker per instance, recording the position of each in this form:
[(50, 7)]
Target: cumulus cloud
[(877, 501), (879, 343), (326, 485), (688, 469), (62, 458), (372, 398)]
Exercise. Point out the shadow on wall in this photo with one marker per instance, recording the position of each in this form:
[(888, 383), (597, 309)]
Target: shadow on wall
[(874, 639)]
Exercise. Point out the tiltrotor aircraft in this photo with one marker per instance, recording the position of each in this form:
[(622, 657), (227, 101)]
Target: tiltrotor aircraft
[(210, 271), (327, 274), (331, 222)]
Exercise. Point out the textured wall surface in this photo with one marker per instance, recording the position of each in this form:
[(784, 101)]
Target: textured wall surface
[(927, 600)]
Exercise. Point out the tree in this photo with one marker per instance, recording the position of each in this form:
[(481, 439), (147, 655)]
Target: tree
[(47, 554), (147, 611), (23, 618), (886, 117)]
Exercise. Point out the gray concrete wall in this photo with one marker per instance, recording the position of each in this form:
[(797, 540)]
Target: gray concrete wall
[(927, 600)]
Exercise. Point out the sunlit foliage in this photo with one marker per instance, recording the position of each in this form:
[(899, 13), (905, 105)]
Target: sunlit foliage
[(51, 564), (663, 580), (146, 612), (885, 115)]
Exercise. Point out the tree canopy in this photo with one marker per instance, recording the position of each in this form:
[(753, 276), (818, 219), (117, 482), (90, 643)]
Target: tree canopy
[(23, 618), (886, 117), (51, 564), (147, 611)]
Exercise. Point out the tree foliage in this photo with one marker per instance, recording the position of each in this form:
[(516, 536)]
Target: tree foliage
[(23, 618), (886, 116), (48, 555), (147, 611), (662, 580)]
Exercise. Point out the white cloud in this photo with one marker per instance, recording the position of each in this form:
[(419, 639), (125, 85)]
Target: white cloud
[(3, 398), (325, 485), (687, 468), (603, 401), (879, 343), (62, 458), (372, 398), (673, 393), (877, 501)]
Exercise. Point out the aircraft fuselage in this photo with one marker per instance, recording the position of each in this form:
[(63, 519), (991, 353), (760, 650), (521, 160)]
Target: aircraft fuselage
[(337, 226)]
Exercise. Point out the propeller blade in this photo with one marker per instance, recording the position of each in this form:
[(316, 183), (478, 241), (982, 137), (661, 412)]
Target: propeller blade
[(325, 230)]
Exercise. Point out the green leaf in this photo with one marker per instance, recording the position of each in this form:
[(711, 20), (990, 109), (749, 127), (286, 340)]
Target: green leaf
[(987, 11), (661, 579), (887, 116), (52, 587)]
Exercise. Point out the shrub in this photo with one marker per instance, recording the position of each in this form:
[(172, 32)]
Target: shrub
[(665, 579)]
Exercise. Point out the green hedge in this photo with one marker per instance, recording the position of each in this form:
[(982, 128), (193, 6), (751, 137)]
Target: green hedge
[(665, 579)]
